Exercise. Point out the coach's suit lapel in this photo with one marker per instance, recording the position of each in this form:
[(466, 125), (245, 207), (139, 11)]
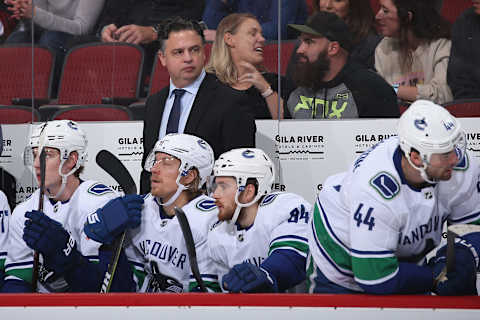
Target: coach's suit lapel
[(200, 108)]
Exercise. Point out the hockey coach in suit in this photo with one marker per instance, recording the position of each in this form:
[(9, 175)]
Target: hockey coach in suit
[(195, 102)]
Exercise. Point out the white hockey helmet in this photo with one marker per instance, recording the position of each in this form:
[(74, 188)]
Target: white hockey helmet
[(192, 151), (429, 128), (64, 135), (242, 164)]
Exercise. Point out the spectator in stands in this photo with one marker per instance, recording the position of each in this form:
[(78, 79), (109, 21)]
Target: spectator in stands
[(56, 21), (359, 17), (413, 56), (463, 68), (195, 102), (138, 22), (266, 11), (331, 86), (236, 59)]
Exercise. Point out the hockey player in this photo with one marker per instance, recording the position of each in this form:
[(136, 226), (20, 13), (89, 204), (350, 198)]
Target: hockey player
[(373, 225), (260, 241), (5, 214), (69, 261), (180, 165)]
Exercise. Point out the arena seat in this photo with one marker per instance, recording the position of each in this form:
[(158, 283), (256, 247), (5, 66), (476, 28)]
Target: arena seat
[(16, 72), (464, 108), (270, 55), (93, 113), (18, 114), (451, 9), (93, 71)]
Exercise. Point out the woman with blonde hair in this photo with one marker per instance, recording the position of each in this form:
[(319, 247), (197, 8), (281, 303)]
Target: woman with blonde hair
[(237, 60)]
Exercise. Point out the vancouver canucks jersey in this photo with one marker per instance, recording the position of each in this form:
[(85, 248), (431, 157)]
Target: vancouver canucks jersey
[(281, 223), (368, 219), (157, 248), (5, 214), (72, 214)]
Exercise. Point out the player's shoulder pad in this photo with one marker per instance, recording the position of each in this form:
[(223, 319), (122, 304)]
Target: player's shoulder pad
[(99, 189), (385, 184), (205, 204), (464, 164)]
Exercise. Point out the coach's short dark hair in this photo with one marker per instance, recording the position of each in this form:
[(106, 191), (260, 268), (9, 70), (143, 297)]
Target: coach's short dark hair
[(177, 24)]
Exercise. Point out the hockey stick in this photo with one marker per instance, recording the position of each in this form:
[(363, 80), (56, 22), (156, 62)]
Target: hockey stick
[(457, 230), (192, 254), (36, 256), (115, 168)]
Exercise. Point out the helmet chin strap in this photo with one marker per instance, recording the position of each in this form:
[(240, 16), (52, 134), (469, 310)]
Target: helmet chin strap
[(236, 213), (64, 180), (180, 188), (422, 170)]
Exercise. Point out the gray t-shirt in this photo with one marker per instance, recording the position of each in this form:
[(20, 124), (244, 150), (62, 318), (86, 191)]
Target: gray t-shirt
[(76, 17), (327, 103)]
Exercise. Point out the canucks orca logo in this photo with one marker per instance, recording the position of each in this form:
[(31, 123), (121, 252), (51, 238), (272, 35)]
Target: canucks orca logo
[(448, 125), (420, 124), (248, 154), (202, 144), (72, 125)]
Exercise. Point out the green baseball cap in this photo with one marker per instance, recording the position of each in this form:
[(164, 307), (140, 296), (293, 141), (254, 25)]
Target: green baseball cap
[(328, 25)]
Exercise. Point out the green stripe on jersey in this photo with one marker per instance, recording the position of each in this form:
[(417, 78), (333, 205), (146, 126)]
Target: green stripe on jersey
[(212, 285), (301, 246), (139, 275), (477, 222), (2, 264), (339, 255), (369, 269), (24, 274)]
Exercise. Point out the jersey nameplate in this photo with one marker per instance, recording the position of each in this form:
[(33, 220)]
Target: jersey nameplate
[(385, 184), (99, 189), (206, 205)]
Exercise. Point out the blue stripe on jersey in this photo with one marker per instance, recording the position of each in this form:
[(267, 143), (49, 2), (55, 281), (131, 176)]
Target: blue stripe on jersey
[(289, 236), (325, 255), (18, 264), (372, 252), (3, 253), (330, 228), (473, 216)]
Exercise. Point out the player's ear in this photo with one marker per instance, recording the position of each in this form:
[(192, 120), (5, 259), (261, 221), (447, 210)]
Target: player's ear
[(416, 158), (70, 163), (191, 179), (249, 192)]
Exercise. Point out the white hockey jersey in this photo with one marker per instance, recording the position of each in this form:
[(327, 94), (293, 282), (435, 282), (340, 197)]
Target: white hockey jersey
[(157, 248), (72, 214), (281, 223), (368, 219), (5, 215)]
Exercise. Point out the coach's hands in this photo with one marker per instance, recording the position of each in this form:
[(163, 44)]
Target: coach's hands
[(115, 217), (246, 277)]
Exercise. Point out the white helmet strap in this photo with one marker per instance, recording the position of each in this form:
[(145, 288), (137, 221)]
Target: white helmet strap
[(422, 169)]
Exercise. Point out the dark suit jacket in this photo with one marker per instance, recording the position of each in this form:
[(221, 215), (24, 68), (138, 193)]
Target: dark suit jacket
[(217, 115)]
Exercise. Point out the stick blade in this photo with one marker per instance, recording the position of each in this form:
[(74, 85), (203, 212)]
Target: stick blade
[(115, 168)]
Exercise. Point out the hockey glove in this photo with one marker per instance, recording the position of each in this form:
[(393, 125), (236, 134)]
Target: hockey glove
[(115, 217), (461, 281), (48, 237), (248, 278)]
